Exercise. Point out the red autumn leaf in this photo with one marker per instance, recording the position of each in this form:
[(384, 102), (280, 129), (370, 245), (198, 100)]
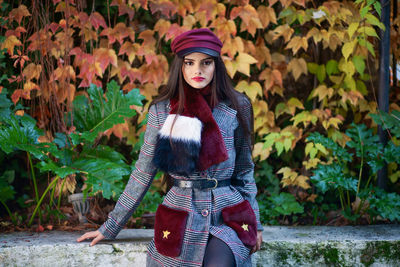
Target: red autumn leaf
[(83, 18), (54, 27), (123, 8), (39, 229), (210, 9), (173, 31), (105, 57), (97, 20), (18, 13), (167, 8), (16, 95)]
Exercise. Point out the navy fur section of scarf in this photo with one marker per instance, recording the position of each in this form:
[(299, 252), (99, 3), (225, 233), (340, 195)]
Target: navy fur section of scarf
[(191, 140), (177, 151)]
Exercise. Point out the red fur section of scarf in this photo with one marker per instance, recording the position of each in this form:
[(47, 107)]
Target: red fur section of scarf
[(213, 150)]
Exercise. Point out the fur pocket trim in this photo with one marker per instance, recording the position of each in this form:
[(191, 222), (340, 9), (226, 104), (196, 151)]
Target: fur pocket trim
[(241, 218), (169, 229)]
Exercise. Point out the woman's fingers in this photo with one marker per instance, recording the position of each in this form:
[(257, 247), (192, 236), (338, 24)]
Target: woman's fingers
[(97, 239), (89, 235)]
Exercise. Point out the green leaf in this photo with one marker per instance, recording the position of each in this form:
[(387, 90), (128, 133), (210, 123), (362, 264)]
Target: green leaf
[(388, 121), (332, 67), (359, 63), (364, 11), (321, 74), (374, 21), (61, 171), (312, 67), (6, 189)]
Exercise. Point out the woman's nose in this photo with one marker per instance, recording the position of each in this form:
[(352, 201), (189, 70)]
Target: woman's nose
[(197, 69)]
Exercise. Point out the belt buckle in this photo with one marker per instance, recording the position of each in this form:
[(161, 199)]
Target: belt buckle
[(216, 182)]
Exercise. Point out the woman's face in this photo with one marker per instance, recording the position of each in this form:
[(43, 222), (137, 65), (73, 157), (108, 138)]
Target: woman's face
[(198, 69)]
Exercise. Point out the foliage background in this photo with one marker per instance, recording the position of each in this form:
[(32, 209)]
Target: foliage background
[(307, 66)]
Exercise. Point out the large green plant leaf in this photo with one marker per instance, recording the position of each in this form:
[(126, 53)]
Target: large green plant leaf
[(22, 134), (337, 151), (327, 177), (388, 121), (286, 204), (102, 113)]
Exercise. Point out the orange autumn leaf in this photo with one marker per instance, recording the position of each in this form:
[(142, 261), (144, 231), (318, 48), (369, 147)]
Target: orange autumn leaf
[(118, 33), (130, 50), (271, 78), (249, 16), (10, 43), (105, 57), (162, 27), (118, 130), (185, 7), (18, 13), (224, 28), (266, 15)]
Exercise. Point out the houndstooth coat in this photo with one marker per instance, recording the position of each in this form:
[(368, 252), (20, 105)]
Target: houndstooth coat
[(203, 206)]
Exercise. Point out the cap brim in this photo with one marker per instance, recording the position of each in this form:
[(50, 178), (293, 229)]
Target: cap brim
[(203, 50)]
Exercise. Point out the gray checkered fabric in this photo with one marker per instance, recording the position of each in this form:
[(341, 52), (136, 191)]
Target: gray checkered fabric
[(211, 202)]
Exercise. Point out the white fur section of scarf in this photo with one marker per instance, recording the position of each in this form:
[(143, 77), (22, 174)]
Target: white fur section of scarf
[(178, 151)]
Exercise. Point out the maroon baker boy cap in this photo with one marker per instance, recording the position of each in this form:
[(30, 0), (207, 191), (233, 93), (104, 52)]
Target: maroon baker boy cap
[(197, 40)]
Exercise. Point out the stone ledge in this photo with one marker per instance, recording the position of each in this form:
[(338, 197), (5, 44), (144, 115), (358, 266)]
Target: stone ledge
[(282, 246)]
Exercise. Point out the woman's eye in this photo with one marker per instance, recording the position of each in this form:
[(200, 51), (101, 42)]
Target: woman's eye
[(207, 62), (189, 63)]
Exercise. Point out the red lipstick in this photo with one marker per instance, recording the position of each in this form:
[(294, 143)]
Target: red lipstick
[(198, 79)]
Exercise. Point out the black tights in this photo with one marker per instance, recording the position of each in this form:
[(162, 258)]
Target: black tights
[(218, 254)]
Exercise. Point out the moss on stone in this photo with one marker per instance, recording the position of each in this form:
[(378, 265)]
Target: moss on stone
[(386, 250)]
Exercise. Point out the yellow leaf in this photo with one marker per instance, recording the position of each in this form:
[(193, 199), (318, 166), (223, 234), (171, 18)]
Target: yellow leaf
[(322, 91), (243, 61), (294, 103), (252, 90), (9, 44), (315, 34), (348, 49), (297, 66), (296, 43), (347, 67), (32, 71), (352, 28), (259, 151), (284, 30), (311, 163)]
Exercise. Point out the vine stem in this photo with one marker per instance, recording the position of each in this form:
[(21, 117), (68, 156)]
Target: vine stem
[(41, 199), (362, 163), (9, 212), (34, 183)]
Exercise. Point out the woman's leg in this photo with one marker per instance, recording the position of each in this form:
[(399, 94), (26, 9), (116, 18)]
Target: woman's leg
[(218, 254)]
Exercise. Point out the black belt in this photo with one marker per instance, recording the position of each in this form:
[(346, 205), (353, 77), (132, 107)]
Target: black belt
[(210, 183)]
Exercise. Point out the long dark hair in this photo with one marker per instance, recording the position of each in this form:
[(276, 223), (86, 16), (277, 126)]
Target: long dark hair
[(221, 89)]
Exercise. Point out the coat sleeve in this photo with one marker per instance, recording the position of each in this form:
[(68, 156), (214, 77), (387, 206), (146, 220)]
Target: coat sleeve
[(244, 166), (139, 181)]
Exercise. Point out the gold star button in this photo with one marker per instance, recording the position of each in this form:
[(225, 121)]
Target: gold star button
[(165, 234), (245, 227)]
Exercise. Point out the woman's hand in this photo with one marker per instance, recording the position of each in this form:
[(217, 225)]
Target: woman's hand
[(259, 242), (96, 235)]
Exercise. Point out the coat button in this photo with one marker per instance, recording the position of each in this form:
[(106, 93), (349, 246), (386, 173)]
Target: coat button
[(203, 174), (204, 212)]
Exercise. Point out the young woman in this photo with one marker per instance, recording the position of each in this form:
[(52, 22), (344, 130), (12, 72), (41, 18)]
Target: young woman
[(199, 133)]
